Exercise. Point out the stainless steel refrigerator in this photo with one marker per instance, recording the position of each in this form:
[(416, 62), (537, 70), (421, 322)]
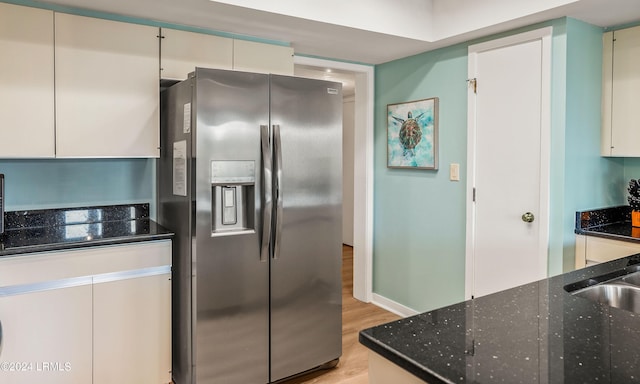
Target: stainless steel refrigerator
[(250, 181)]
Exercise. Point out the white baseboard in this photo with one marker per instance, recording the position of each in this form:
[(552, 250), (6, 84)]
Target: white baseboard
[(392, 306)]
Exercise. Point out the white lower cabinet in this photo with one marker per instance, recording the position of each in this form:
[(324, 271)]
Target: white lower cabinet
[(132, 328), (592, 250), (95, 315), (383, 371), (46, 336)]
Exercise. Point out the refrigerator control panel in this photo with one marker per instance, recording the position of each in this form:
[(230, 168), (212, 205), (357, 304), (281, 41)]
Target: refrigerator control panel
[(225, 172)]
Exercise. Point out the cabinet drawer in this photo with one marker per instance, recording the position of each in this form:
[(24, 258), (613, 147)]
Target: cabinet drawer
[(601, 250), (49, 266)]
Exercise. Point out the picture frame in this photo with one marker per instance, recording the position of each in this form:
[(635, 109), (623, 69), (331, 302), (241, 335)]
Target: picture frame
[(412, 134)]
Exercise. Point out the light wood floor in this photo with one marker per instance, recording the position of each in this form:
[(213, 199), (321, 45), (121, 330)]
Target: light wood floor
[(356, 315)]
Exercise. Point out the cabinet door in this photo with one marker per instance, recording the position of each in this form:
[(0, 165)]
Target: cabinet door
[(46, 337), (382, 371), (262, 58), (26, 82), (132, 331), (106, 88), (599, 250), (181, 52), (625, 92)]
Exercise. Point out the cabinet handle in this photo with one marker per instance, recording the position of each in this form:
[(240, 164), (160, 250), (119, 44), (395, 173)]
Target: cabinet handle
[(0, 338)]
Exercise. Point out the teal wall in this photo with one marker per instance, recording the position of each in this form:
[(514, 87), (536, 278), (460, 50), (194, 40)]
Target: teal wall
[(38, 184), (420, 216), (631, 171), (590, 181)]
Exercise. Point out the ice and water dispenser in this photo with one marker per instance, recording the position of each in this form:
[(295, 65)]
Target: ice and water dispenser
[(232, 196)]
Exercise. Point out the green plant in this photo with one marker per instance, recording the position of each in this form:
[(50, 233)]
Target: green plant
[(634, 194)]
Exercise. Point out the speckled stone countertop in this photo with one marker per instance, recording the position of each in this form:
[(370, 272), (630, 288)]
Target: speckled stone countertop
[(535, 333), (67, 228), (613, 223)]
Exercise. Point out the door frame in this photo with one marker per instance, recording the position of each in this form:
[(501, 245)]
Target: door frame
[(545, 36), (363, 172)]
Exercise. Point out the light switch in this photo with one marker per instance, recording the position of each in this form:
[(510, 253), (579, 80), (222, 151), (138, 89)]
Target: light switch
[(454, 172)]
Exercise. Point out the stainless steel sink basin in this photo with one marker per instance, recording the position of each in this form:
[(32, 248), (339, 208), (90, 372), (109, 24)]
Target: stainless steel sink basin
[(632, 278), (617, 293)]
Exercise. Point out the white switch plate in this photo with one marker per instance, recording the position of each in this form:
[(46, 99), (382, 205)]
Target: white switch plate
[(454, 172)]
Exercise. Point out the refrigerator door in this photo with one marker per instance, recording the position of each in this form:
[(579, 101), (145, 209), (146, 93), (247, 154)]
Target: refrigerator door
[(231, 282), (306, 299)]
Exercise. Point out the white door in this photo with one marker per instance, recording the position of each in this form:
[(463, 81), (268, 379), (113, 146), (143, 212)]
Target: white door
[(508, 162)]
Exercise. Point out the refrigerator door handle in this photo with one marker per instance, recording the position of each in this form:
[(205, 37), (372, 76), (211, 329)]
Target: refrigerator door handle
[(267, 185), (277, 147)]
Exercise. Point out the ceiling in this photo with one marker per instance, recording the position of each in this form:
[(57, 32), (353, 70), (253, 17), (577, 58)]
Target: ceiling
[(340, 42)]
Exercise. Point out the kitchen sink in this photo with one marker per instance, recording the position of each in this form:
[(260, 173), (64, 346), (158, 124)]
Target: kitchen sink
[(622, 291), (633, 278), (619, 295)]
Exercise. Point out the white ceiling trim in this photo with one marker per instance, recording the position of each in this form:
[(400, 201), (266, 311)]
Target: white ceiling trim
[(424, 20), (410, 19), (362, 31)]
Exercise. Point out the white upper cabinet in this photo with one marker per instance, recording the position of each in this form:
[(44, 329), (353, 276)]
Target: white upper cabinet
[(250, 56), (26, 82), (621, 93), (181, 52), (106, 88), (103, 99)]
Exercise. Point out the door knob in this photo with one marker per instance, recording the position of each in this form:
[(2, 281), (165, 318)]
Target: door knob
[(528, 217)]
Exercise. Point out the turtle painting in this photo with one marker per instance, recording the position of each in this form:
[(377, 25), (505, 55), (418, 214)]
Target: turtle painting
[(410, 133)]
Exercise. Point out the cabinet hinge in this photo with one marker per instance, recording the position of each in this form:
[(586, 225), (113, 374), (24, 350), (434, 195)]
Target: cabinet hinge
[(470, 350), (473, 83)]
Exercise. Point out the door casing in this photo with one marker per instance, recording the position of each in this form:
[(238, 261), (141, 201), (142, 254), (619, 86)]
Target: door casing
[(363, 172)]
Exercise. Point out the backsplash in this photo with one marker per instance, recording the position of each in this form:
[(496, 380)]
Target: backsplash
[(597, 217), (57, 183), (71, 216)]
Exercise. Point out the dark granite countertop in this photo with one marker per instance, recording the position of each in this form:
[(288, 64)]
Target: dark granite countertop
[(613, 223), (535, 333), (68, 228)]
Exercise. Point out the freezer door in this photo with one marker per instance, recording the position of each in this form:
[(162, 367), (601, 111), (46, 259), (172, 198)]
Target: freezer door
[(306, 300), (231, 331)]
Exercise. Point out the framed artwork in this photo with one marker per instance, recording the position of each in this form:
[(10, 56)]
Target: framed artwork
[(412, 134)]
